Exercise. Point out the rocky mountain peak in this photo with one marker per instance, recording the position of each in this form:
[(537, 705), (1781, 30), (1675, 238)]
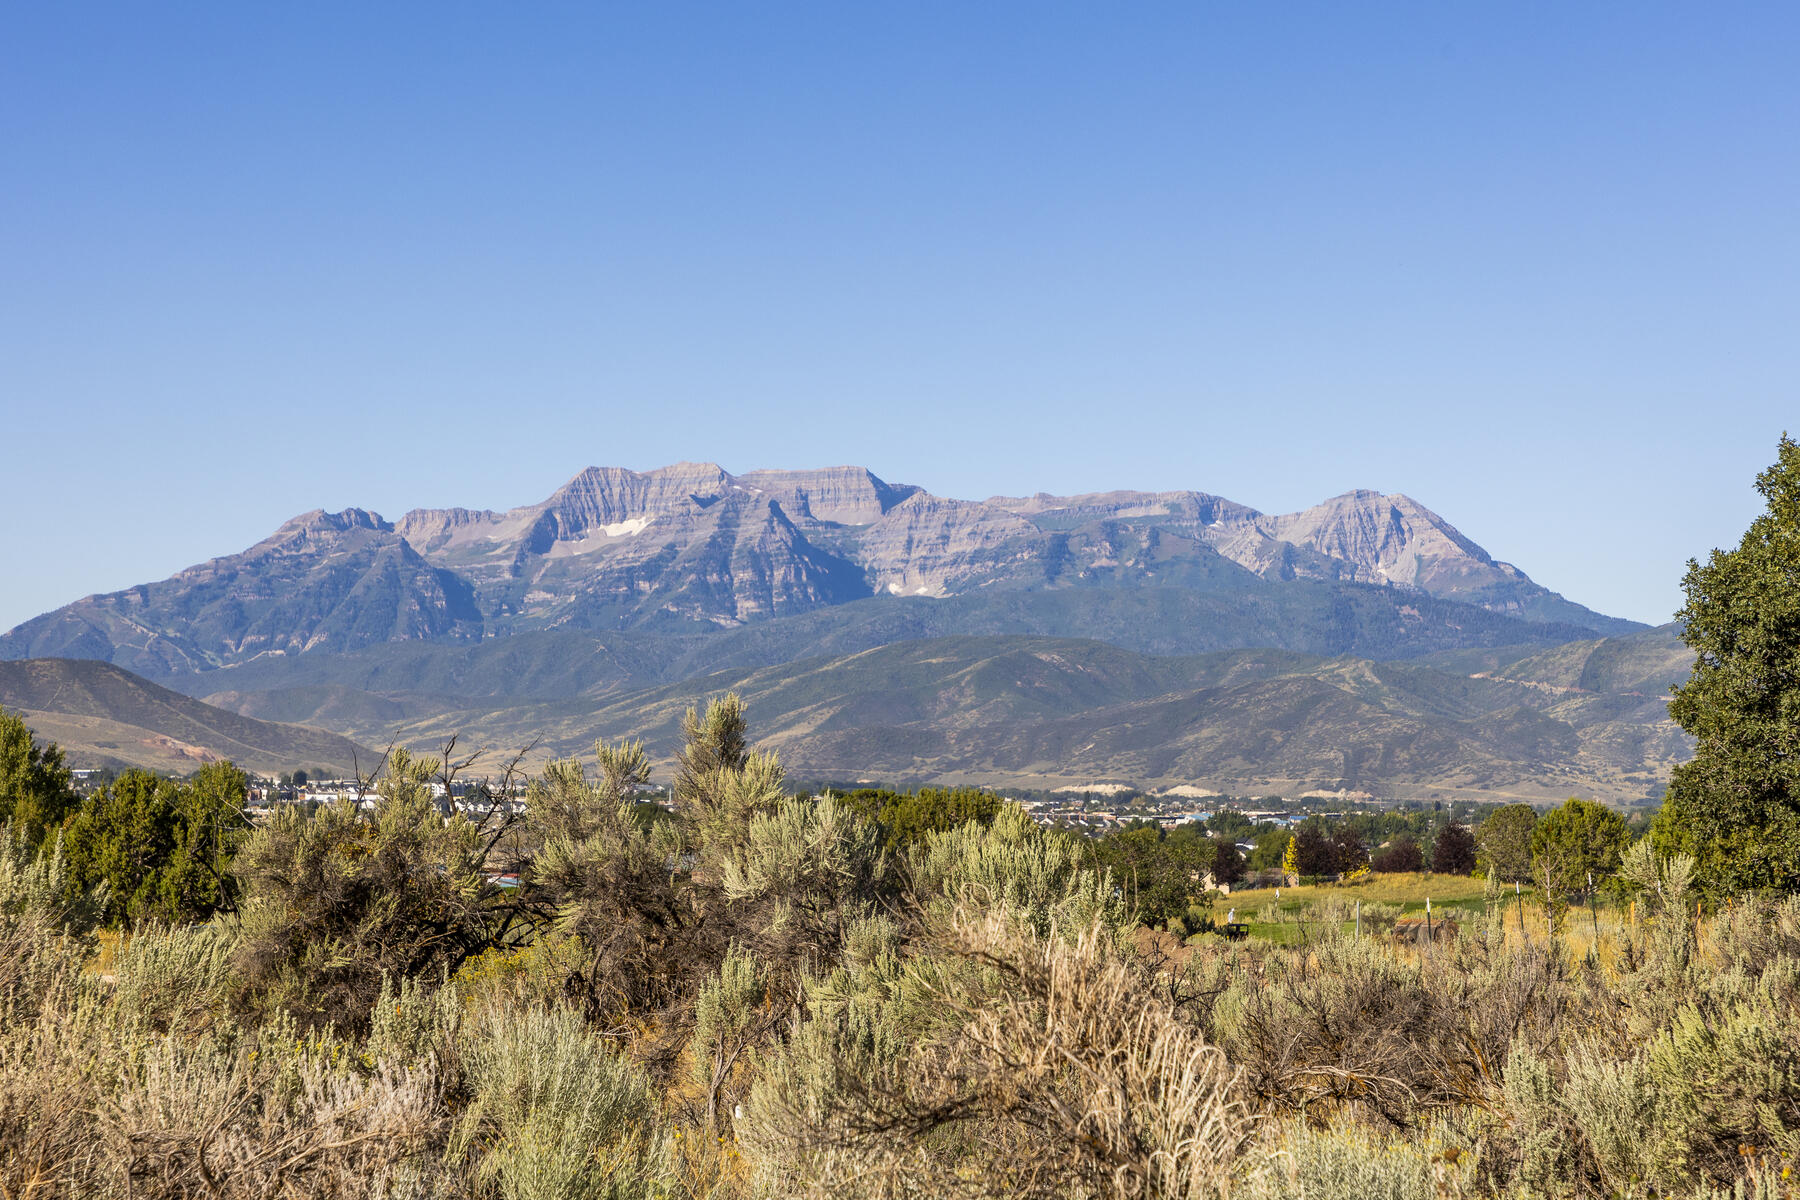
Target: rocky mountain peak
[(602, 496), (1393, 539), (318, 520), (836, 495)]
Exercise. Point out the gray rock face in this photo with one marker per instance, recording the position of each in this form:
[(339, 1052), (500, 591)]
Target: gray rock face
[(1392, 539), (694, 546)]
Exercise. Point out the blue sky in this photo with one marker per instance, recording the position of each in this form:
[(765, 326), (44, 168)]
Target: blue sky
[(1535, 265)]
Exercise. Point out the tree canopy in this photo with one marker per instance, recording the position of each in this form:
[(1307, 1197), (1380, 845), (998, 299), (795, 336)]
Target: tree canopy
[(1453, 850), (1160, 872), (1580, 840), (1504, 840), (163, 849), (1735, 806), (1400, 855), (907, 817), (35, 793)]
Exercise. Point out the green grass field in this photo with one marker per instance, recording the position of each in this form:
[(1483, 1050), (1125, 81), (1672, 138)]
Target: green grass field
[(1455, 895)]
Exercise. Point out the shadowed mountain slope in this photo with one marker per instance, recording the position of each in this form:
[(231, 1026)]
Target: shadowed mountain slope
[(1041, 710), (102, 715)]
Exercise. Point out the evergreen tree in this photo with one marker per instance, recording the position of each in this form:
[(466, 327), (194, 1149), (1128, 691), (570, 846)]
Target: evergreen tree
[(121, 837), (163, 849), (1505, 841), (35, 793), (1735, 806)]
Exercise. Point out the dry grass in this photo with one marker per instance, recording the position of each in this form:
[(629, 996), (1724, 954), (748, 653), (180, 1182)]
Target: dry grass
[(111, 944)]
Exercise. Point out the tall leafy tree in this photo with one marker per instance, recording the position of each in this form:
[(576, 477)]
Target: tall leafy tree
[(1161, 873), (1453, 850), (1735, 806), (1270, 851), (1227, 863), (1315, 852), (1400, 855), (35, 791), (1505, 841), (1575, 842), (1351, 851)]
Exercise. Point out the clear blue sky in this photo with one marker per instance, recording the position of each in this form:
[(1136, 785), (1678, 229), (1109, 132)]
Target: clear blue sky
[(1535, 265)]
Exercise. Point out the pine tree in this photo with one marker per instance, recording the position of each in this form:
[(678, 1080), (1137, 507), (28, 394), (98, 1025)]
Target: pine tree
[(1736, 805)]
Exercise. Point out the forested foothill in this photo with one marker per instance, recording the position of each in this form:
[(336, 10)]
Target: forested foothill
[(751, 991)]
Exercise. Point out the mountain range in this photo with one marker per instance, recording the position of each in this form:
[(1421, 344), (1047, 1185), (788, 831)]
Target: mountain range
[(624, 593), (693, 546)]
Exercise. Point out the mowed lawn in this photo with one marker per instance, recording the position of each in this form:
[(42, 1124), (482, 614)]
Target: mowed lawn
[(1452, 895)]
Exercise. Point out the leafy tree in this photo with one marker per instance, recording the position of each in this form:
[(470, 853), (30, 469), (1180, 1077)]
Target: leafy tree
[(1227, 863), (1504, 840), (1271, 849), (1161, 871), (1573, 842), (1400, 855), (1351, 852), (1453, 850), (35, 789), (1315, 853), (1735, 806), (1233, 826)]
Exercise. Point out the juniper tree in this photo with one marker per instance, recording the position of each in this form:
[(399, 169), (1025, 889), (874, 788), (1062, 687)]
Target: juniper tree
[(1505, 841), (1735, 806), (34, 784), (163, 849)]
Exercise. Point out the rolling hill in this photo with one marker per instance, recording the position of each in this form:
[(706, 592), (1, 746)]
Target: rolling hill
[(1039, 711), (102, 715)]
